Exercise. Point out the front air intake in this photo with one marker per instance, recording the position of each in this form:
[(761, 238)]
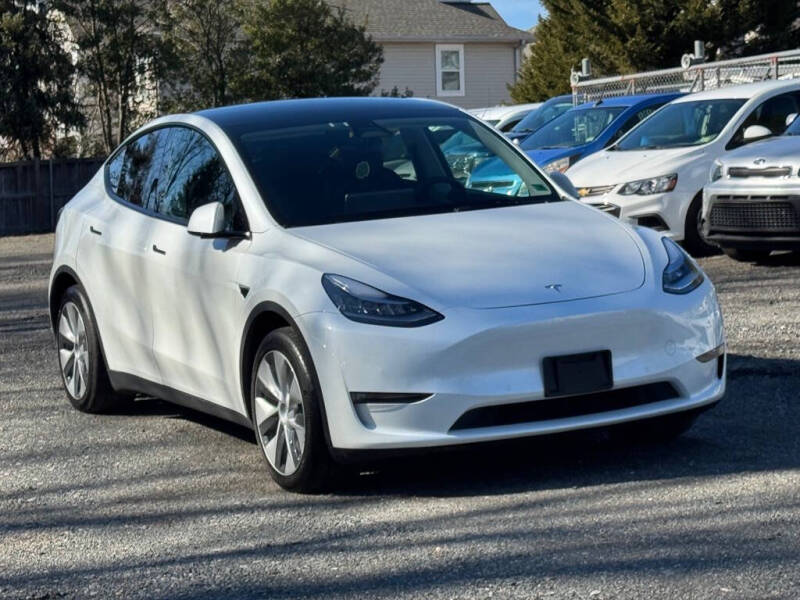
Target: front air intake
[(550, 409)]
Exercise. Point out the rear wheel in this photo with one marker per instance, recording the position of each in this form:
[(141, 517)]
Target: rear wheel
[(694, 241), (746, 255), (83, 371), (286, 412)]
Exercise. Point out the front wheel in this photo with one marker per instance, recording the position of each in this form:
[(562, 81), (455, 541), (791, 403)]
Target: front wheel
[(693, 238), (287, 417)]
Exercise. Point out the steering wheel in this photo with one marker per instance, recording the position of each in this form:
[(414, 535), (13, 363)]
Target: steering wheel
[(453, 184)]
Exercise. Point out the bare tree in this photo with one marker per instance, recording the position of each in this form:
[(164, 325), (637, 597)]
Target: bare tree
[(120, 56), (206, 37)]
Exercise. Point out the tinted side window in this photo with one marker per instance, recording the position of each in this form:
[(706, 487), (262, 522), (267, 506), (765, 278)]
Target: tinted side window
[(134, 172), (193, 175), (771, 114), (115, 170)]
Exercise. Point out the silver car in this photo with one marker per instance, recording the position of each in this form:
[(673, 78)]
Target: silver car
[(752, 204)]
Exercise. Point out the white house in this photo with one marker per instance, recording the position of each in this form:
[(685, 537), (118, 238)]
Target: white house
[(460, 52)]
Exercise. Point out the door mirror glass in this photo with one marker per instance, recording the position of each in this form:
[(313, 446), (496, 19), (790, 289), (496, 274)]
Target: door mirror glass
[(208, 220), (756, 132), (790, 118), (564, 183)]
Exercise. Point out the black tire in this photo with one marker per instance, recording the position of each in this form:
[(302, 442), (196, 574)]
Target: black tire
[(96, 395), (693, 239), (657, 430), (316, 469), (747, 255)]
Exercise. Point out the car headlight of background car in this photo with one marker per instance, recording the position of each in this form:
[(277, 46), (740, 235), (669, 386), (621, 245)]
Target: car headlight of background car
[(561, 164), (681, 275), (716, 171), (654, 185), (365, 304)]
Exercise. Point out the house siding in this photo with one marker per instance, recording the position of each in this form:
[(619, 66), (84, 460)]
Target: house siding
[(488, 69)]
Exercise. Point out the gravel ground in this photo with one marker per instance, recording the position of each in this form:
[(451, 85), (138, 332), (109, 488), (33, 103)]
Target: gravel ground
[(162, 502)]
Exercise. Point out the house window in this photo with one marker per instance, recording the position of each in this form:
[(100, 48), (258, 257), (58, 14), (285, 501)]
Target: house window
[(449, 69)]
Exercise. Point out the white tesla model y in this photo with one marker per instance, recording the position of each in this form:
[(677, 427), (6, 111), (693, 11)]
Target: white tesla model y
[(324, 272)]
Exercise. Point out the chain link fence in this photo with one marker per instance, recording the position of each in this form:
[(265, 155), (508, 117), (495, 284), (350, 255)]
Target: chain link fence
[(704, 76)]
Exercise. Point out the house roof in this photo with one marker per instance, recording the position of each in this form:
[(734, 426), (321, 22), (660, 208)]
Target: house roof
[(431, 20)]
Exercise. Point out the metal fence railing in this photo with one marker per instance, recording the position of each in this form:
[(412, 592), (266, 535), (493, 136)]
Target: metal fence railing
[(703, 76)]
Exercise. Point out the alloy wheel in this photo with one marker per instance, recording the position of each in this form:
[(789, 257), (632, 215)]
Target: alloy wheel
[(280, 413), (73, 350)]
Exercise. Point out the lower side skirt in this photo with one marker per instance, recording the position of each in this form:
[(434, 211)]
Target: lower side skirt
[(125, 382)]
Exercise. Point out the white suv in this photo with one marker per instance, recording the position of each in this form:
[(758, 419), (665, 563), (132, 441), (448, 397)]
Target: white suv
[(654, 176), (316, 270)]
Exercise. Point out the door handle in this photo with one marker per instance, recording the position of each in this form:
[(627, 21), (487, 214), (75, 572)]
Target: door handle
[(158, 250), (95, 231)]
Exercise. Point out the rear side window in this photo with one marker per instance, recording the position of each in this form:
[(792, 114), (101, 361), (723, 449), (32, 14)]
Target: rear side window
[(193, 175), (134, 172)]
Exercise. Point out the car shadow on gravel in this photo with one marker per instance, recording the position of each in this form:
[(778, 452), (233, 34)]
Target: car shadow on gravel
[(782, 259), (752, 429), (145, 406)]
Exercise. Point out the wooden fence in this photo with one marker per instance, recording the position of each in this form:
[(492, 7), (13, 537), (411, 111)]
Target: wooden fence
[(32, 192)]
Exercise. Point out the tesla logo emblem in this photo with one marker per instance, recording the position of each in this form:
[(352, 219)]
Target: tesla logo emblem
[(759, 161), (556, 287)]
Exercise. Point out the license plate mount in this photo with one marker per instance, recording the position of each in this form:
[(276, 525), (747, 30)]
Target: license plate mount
[(577, 373)]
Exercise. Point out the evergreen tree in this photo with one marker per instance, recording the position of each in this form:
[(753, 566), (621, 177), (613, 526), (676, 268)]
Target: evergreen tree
[(36, 80), (628, 36), (306, 48)]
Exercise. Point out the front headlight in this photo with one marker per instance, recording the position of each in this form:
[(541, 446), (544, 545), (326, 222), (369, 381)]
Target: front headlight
[(560, 165), (654, 185), (716, 171), (681, 275), (366, 304)]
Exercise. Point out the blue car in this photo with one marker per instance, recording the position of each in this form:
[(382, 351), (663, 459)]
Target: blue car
[(534, 120), (565, 140)]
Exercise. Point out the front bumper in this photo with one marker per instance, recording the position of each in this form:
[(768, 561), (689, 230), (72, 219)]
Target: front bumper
[(485, 358), (662, 212), (752, 216)]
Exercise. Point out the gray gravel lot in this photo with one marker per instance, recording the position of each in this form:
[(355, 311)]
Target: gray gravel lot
[(162, 502)]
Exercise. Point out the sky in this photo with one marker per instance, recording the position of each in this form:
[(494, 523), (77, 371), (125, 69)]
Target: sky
[(522, 14)]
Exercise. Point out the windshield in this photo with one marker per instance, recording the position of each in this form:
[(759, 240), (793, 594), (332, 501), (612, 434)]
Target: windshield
[(573, 128), (337, 172), (535, 119), (681, 124)]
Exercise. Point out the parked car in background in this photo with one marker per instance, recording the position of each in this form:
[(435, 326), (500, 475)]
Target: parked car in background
[(371, 309), (577, 133), (504, 118), (655, 175), (752, 205), (534, 120)]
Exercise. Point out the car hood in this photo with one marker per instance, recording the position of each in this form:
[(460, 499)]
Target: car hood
[(778, 151), (494, 258), (615, 166)]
